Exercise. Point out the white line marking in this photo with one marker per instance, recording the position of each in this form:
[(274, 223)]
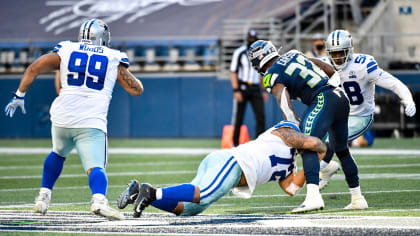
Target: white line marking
[(180, 172), (180, 163), (130, 164), (6, 205), (195, 151)]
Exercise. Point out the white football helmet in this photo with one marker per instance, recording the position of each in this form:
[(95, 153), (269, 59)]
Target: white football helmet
[(339, 47), (95, 31)]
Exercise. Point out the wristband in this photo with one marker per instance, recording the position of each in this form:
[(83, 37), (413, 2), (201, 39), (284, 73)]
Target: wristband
[(20, 94), (236, 90)]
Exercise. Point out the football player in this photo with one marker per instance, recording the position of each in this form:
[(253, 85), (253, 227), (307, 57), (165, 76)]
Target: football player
[(294, 76), (359, 73), (271, 157), (88, 72)]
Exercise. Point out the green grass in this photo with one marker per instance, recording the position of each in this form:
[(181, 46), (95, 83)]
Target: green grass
[(398, 196)]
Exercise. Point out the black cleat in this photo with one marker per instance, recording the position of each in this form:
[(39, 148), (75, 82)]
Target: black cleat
[(146, 196), (129, 195)]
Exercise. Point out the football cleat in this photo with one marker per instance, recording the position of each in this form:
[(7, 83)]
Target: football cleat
[(100, 207), (146, 196), (42, 202), (129, 195), (325, 174), (312, 202), (358, 202)]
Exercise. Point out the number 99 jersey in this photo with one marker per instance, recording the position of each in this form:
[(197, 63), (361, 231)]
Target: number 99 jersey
[(87, 77)]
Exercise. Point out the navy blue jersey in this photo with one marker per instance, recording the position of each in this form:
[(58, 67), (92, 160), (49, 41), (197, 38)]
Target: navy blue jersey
[(303, 79)]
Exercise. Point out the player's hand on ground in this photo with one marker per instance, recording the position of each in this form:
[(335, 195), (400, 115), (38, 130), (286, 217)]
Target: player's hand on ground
[(14, 103), (410, 109)]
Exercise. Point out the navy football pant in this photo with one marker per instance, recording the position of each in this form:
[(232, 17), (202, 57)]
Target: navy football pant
[(329, 113)]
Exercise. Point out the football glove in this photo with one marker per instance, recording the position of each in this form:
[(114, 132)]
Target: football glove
[(410, 108), (14, 103)]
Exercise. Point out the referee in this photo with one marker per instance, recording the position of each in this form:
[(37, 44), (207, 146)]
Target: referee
[(246, 84)]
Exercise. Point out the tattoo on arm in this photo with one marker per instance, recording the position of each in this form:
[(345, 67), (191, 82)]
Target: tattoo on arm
[(300, 141), (129, 80)]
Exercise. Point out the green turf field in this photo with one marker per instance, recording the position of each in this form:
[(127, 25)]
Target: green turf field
[(390, 183)]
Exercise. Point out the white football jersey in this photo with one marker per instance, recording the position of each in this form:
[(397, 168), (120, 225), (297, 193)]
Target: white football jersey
[(265, 159), (87, 76), (358, 80)]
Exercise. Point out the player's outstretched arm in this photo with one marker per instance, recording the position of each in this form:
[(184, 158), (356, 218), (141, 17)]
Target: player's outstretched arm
[(46, 63), (129, 82), (293, 183), (301, 141), (327, 68), (279, 91)]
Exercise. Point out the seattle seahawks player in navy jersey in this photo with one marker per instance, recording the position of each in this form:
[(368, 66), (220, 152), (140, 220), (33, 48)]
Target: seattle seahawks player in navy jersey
[(293, 76)]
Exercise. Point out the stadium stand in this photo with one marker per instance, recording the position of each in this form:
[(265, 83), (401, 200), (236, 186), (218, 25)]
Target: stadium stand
[(197, 38)]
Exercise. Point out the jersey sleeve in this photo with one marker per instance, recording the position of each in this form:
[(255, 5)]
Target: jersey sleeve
[(373, 71), (270, 79), (60, 47), (234, 64), (123, 58)]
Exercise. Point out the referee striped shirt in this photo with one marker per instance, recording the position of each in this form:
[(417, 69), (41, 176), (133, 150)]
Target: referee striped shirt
[(241, 65)]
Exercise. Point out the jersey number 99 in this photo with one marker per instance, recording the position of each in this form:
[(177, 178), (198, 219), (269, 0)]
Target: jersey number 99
[(97, 67)]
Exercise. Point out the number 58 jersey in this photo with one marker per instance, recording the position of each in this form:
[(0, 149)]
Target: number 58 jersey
[(87, 77), (358, 80)]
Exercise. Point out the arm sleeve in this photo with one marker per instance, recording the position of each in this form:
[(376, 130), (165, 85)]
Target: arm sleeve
[(124, 59), (388, 81), (234, 64), (60, 47)]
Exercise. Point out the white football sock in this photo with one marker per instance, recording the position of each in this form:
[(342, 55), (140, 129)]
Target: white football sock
[(158, 193)]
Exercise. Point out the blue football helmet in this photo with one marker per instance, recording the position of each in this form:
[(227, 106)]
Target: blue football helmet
[(287, 123), (95, 31), (339, 47), (260, 53)]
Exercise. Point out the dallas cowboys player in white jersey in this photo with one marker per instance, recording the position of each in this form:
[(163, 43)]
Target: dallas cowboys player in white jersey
[(271, 157), (88, 71), (359, 73)]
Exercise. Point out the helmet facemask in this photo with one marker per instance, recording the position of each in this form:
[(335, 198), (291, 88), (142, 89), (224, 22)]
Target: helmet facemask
[(339, 47), (340, 58)]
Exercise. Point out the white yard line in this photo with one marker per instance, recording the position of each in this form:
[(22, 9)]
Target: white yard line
[(7, 205), (180, 163), (182, 172), (130, 164), (131, 174), (195, 151)]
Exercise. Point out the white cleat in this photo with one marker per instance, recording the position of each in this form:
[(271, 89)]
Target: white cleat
[(42, 202), (325, 174), (311, 203), (358, 202), (100, 207)]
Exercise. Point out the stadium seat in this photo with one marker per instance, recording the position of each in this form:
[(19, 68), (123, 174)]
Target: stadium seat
[(172, 63), (151, 65), (190, 61), (134, 66)]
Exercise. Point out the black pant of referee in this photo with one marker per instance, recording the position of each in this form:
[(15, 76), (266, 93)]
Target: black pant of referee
[(250, 93)]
